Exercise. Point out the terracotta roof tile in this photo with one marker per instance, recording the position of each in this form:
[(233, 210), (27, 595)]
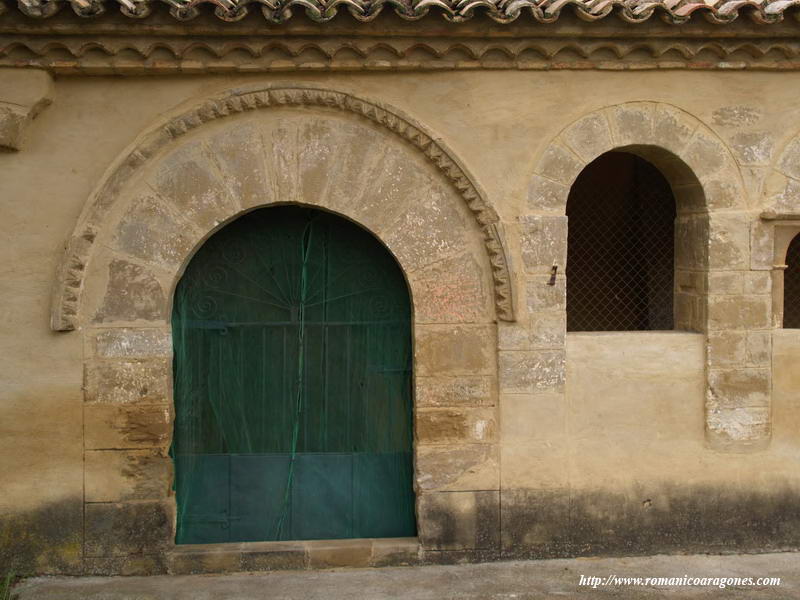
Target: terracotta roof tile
[(502, 11)]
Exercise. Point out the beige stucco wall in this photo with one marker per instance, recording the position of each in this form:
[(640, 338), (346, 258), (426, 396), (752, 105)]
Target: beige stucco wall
[(630, 431)]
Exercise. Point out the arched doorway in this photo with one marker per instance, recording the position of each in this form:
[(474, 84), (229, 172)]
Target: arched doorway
[(292, 382)]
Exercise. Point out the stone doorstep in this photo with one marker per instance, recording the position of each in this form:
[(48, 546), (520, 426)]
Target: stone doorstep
[(294, 555)]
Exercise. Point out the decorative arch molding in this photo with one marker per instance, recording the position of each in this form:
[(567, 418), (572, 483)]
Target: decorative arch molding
[(103, 207), (680, 145)]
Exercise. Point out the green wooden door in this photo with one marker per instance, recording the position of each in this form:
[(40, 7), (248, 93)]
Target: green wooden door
[(292, 338)]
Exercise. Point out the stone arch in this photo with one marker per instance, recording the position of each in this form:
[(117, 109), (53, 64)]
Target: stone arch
[(198, 171), (678, 144), (105, 204), (713, 232)]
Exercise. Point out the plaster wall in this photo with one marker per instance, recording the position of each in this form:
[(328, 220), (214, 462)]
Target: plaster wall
[(623, 448)]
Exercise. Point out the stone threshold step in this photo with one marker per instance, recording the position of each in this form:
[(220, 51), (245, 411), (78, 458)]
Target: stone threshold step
[(192, 559)]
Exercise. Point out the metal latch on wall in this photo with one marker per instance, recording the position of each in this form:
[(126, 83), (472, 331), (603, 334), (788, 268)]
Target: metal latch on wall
[(553, 272)]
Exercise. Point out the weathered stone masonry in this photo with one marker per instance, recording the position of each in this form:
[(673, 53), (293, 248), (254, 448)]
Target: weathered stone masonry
[(529, 441)]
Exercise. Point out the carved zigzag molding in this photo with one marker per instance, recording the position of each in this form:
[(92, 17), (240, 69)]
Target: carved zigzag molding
[(98, 55)]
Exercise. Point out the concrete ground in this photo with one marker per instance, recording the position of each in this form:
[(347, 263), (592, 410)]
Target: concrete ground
[(521, 580)]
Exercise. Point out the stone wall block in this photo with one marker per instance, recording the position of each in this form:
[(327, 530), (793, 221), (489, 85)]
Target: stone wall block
[(451, 291), (461, 467), (133, 343), (691, 242), (560, 164), (689, 197), (723, 283), (739, 312), (786, 198), (753, 147), (705, 154), (118, 426), (762, 254), (127, 381), (543, 297), (790, 159), (738, 388), (455, 391), (738, 429), (548, 329), (455, 350), (547, 196), (132, 293), (531, 372), (686, 312), (193, 182), (589, 137), (721, 192), (149, 231), (729, 241), (456, 425), (692, 282), (126, 528), (543, 243), (759, 348), (514, 336), (758, 282), (123, 475), (459, 520), (726, 348)]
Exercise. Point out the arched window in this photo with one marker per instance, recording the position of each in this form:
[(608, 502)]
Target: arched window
[(292, 338), (620, 260), (791, 286)]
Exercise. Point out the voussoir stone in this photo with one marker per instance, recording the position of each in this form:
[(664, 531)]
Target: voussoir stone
[(672, 128), (149, 231), (632, 123), (133, 293), (560, 164), (589, 137), (240, 153), (546, 195), (189, 179)]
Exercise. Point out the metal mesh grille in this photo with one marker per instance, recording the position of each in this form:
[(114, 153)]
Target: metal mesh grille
[(791, 286), (620, 264)]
